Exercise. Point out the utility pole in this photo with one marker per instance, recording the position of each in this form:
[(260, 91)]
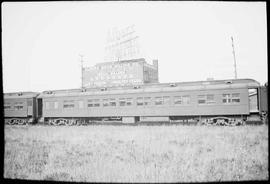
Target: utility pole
[(235, 72), (81, 70)]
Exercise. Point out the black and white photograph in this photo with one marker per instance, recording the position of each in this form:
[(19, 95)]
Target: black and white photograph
[(135, 91)]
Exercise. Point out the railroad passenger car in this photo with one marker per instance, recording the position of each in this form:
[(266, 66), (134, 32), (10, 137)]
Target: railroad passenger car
[(20, 108), (226, 102)]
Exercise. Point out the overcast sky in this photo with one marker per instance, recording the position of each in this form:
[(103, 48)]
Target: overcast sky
[(41, 42)]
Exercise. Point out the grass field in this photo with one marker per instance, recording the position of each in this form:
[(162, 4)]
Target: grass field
[(107, 153)]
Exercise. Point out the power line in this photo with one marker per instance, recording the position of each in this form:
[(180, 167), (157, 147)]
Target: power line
[(81, 70), (235, 72)]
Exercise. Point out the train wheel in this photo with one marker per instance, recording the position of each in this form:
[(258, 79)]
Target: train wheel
[(208, 122), (70, 122), (20, 122), (264, 117), (220, 122), (61, 122), (211, 122), (11, 122), (81, 122), (231, 122), (76, 122), (30, 121), (239, 122), (203, 122), (51, 122), (14, 122), (55, 122)]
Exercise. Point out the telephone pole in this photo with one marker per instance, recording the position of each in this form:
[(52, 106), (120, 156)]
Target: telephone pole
[(235, 72), (81, 70)]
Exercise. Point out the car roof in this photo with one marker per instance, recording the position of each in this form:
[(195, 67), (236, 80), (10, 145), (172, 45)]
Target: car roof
[(16, 95), (157, 87)]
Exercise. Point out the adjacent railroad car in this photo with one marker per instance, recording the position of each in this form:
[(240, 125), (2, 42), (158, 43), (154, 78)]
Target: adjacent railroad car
[(20, 108)]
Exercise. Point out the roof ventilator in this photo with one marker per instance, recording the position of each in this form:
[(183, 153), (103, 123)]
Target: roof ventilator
[(228, 82)]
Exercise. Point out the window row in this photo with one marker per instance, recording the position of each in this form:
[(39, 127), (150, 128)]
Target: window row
[(233, 98), (17, 106), (112, 102), (229, 98)]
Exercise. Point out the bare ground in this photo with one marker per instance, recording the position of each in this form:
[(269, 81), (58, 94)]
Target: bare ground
[(136, 153)]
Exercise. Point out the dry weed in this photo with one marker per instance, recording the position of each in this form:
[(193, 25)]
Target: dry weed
[(136, 153)]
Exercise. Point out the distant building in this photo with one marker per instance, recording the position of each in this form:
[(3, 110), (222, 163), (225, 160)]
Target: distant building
[(121, 73)]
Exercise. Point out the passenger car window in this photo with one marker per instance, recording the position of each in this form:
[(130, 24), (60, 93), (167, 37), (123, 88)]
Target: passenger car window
[(7, 106), (201, 99), (186, 99), (18, 106), (112, 102), (182, 100), (125, 101), (129, 101), (96, 103), (166, 100), (56, 105), (122, 102), (140, 101), (177, 100), (226, 98), (105, 103), (147, 100), (206, 99), (93, 103), (158, 101), (233, 98), (210, 99), (236, 98), (68, 104)]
